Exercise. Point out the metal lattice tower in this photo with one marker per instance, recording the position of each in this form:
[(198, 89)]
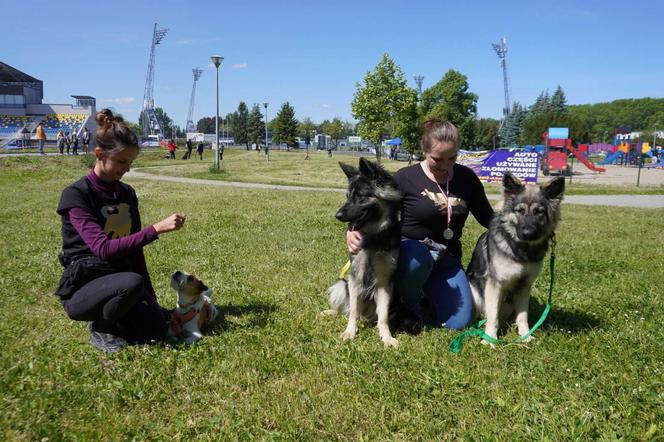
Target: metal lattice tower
[(150, 122), (501, 51), (191, 127), (418, 80)]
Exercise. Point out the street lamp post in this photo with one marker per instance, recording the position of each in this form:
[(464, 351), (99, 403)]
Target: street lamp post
[(267, 147), (217, 59)]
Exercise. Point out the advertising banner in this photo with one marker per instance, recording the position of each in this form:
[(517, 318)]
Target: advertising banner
[(491, 165)]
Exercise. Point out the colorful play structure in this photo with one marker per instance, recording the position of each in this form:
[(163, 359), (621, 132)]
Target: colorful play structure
[(557, 147), (627, 154)]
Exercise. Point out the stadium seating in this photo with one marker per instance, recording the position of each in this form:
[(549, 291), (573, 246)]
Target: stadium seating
[(66, 122), (10, 124)]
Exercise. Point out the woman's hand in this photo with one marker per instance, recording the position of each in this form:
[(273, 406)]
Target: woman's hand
[(173, 222), (354, 241)]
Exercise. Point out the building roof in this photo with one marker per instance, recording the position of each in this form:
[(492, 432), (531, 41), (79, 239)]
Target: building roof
[(83, 97), (10, 74)]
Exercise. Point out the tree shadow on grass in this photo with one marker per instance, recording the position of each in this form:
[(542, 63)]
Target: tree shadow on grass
[(251, 315), (573, 321)]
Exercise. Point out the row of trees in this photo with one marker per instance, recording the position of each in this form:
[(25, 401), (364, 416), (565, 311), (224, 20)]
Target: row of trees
[(386, 106), (248, 127), (587, 123)]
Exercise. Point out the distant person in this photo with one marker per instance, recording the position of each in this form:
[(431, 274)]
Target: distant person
[(74, 142), (199, 150), (40, 135), (187, 156), (60, 139), (172, 147), (67, 142), (329, 151), (86, 140)]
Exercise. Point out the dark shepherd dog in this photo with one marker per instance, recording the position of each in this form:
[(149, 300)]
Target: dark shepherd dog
[(372, 208), (508, 257)]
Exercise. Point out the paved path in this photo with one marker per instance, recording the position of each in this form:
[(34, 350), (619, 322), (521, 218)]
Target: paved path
[(647, 201)]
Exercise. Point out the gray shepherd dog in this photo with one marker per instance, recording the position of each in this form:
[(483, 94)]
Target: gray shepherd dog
[(508, 257), (372, 208)]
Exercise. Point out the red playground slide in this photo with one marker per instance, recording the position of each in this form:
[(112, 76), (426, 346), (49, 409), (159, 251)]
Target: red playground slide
[(580, 157)]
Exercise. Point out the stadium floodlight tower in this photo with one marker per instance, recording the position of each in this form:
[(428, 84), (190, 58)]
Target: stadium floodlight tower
[(501, 51), (418, 81), (150, 121), (191, 127)]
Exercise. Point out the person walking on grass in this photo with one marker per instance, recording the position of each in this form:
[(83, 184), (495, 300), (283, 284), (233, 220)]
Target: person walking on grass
[(74, 142), (60, 138), (187, 155), (40, 135), (86, 140), (199, 150), (172, 147), (105, 279)]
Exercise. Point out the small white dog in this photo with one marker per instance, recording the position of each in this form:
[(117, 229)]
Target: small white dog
[(194, 309)]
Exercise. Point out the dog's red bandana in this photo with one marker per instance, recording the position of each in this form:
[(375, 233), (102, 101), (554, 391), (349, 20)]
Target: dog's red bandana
[(179, 319)]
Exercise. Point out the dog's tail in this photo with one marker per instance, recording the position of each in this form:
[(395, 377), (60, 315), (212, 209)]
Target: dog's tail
[(338, 297)]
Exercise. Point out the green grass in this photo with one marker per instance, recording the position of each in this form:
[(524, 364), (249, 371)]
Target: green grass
[(290, 168), (279, 371)]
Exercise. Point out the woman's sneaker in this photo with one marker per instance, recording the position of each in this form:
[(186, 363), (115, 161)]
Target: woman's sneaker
[(105, 341)]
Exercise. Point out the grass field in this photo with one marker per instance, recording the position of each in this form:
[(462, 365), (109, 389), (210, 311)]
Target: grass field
[(277, 370)]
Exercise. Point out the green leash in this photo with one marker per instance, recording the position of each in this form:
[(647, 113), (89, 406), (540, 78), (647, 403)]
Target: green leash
[(457, 344)]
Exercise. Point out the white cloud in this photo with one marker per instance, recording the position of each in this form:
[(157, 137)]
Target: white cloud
[(185, 41), (121, 100), (326, 106), (239, 66)]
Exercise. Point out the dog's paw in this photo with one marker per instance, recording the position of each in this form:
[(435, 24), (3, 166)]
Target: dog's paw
[(389, 341), (348, 335), (328, 312), (530, 338), (485, 342)]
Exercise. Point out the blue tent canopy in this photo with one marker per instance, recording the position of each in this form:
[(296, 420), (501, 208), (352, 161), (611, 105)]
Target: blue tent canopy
[(394, 141)]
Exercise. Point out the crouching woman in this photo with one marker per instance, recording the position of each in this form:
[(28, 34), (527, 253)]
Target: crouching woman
[(105, 279)]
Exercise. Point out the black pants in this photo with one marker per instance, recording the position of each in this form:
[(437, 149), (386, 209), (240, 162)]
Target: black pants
[(116, 304)]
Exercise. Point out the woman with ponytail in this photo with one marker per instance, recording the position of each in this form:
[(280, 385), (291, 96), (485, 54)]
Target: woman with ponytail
[(105, 279)]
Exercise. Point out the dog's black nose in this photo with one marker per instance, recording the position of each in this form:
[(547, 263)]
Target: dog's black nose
[(176, 273)]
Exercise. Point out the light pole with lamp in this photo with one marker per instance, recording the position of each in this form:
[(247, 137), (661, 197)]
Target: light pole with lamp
[(267, 147), (217, 59)]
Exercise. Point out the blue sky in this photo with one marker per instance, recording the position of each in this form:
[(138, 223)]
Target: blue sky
[(312, 53)]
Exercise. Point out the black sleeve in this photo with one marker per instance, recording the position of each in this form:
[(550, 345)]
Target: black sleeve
[(72, 197), (479, 204)]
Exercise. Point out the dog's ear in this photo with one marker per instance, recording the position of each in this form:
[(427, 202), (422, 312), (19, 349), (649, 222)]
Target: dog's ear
[(367, 168), (350, 171), (554, 189), (511, 185)]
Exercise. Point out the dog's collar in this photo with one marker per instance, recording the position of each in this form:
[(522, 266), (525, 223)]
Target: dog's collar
[(207, 293)]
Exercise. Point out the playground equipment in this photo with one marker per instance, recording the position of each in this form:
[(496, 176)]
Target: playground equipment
[(557, 147)]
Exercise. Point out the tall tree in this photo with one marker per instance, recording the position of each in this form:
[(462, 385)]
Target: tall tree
[(510, 133), (450, 100), (286, 126), (205, 125), (542, 104), (383, 103), (255, 126), (559, 101), (241, 129), (334, 129), (486, 133), (307, 129)]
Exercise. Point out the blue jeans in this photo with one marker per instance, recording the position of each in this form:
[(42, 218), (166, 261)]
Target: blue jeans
[(41, 146), (435, 291)]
